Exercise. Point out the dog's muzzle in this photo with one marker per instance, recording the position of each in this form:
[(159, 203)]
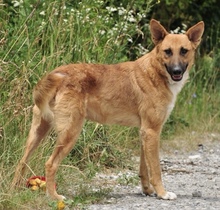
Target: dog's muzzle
[(176, 71)]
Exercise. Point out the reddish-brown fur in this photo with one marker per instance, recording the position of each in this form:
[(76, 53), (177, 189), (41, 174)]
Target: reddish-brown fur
[(140, 93)]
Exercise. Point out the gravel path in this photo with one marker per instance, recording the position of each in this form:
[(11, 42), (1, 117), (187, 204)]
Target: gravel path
[(194, 177)]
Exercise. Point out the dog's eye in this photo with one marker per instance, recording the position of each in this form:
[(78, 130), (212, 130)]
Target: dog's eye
[(168, 52), (183, 51)]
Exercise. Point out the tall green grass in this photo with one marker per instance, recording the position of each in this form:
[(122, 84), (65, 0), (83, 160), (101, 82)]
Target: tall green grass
[(36, 38)]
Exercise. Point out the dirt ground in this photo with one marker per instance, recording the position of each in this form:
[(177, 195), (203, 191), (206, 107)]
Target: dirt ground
[(194, 176)]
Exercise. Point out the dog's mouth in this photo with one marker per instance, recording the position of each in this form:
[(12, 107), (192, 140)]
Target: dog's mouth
[(176, 71), (176, 78)]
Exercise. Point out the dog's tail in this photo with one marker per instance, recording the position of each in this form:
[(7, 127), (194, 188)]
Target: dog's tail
[(45, 91)]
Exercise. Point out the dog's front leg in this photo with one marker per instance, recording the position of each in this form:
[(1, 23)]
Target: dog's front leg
[(144, 175), (150, 144)]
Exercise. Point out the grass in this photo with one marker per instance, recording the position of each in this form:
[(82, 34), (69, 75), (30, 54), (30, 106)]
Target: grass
[(34, 39)]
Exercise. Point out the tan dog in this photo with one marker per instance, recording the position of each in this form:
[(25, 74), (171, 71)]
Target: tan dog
[(140, 93)]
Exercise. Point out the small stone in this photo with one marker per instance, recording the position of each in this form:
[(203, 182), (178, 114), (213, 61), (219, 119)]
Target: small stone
[(197, 194), (195, 157)]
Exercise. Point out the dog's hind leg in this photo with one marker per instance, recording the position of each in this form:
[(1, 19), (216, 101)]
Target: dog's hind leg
[(69, 119), (39, 128)]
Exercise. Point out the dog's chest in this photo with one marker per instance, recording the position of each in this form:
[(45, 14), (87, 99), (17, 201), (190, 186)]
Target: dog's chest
[(175, 88)]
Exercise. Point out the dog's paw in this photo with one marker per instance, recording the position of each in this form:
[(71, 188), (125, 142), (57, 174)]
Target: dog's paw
[(148, 191), (168, 196), (55, 196), (61, 198), (153, 194)]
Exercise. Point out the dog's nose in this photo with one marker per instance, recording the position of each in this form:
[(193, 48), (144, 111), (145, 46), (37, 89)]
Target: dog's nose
[(177, 70)]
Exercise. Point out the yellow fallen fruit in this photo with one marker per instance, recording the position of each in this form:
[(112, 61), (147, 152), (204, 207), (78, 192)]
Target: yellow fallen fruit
[(34, 188), (60, 205), (43, 185), (38, 181), (32, 182)]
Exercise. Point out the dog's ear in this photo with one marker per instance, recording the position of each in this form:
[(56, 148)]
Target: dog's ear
[(195, 33), (158, 32)]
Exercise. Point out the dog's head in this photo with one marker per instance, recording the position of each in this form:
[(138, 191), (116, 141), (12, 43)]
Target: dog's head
[(176, 51)]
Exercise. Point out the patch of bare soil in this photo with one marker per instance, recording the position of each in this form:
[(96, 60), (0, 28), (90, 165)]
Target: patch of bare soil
[(193, 176)]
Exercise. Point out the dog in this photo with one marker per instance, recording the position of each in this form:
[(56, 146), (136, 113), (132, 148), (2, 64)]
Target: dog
[(139, 93)]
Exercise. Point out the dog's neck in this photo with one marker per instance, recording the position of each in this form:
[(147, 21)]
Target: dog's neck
[(176, 87)]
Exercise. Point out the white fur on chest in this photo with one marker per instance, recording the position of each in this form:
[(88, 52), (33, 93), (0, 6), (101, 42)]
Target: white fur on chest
[(175, 88)]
